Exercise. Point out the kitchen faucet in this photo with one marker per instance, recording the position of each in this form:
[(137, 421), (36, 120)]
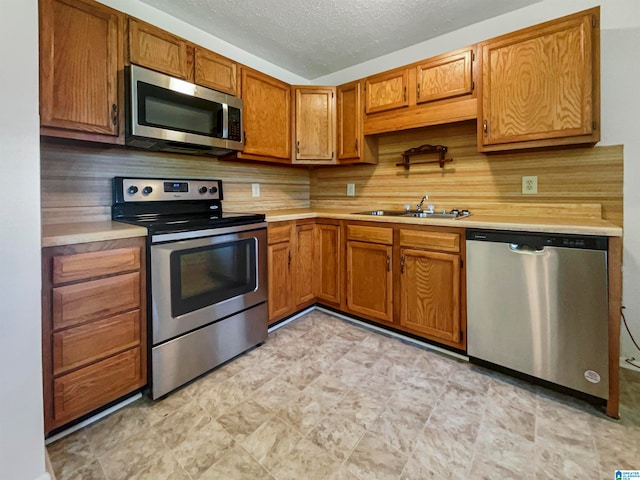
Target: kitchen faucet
[(424, 199)]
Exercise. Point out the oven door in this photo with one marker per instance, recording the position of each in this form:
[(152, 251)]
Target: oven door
[(199, 281)]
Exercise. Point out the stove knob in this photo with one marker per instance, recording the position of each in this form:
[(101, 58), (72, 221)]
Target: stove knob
[(147, 190), (465, 212), (132, 190), (213, 190), (202, 189), (455, 211)]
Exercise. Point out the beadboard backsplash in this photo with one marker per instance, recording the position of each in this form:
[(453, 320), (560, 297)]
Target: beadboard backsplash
[(76, 179), (566, 177)]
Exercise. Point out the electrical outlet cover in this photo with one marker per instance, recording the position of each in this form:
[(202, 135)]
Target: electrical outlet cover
[(529, 185), (255, 189), (351, 189)]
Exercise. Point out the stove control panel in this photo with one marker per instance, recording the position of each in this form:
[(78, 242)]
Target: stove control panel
[(157, 189)]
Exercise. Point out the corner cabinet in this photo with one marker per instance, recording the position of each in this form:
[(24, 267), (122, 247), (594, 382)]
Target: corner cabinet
[(314, 125), (352, 145), (93, 327), (541, 85), (81, 65), (328, 261)]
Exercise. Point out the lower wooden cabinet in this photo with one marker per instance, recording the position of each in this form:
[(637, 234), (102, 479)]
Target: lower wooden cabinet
[(304, 265), (93, 326), (328, 271), (406, 277), (281, 297), (430, 294), (369, 280)]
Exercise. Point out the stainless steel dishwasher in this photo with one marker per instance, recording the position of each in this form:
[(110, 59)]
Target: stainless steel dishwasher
[(538, 304)]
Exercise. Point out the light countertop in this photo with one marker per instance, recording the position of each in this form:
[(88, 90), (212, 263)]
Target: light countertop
[(573, 225), (72, 233)]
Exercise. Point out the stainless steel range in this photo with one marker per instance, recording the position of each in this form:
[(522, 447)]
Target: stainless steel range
[(207, 274)]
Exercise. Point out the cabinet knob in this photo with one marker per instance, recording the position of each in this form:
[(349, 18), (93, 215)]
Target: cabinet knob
[(418, 91), (388, 263), (485, 127), (404, 97), (298, 147), (356, 145), (402, 264)]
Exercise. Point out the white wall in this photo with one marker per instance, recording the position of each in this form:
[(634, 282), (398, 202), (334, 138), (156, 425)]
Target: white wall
[(620, 96), (21, 425)]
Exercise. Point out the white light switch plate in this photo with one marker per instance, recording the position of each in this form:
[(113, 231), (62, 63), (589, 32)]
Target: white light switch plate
[(351, 189), (255, 189)]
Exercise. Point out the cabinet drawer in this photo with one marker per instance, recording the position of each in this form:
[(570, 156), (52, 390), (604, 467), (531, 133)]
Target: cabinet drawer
[(370, 234), (444, 241), (69, 268), (73, 304), (279, 233), (87, 343), (91, 387)]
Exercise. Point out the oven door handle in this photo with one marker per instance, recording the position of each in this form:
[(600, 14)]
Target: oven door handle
[(210, 232)]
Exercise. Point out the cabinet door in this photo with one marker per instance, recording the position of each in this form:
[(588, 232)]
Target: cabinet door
[(315, 125), (349, 121), (267, 115), (430, 294), (215, 71), (539, 85), (80, 57), (304, 264), (281, 297), (154, 48), (369, 280), (444, 77), (387, 91), (327, 273)]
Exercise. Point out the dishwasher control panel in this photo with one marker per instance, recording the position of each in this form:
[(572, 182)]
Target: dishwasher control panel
[(537, 239)]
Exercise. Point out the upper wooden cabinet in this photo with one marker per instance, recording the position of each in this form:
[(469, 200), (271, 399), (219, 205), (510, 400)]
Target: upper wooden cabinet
[(352, 145), (215, 71), (157, 49), (445, 76), (81, 59), (267, 118), (541, 85), (387, 91), (315, 125), (431, 92)]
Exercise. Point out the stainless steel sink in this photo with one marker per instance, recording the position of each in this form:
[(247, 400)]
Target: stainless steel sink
[(413, 213), (383, 213)]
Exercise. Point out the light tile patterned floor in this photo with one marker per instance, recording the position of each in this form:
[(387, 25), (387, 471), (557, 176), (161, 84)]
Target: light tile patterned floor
[(327, 399)]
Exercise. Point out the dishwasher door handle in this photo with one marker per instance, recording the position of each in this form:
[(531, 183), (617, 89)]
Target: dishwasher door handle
[(526, 249)]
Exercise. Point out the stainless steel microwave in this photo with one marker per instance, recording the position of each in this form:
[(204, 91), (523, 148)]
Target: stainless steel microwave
[(172, 115)]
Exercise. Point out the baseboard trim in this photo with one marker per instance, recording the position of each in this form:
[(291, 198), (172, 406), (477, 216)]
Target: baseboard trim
[(93, 419), (399, 336)]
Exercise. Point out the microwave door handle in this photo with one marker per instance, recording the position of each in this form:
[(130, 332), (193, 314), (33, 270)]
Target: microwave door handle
[(225, 121)]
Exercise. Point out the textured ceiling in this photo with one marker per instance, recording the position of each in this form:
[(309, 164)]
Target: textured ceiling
[(318, 37)]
